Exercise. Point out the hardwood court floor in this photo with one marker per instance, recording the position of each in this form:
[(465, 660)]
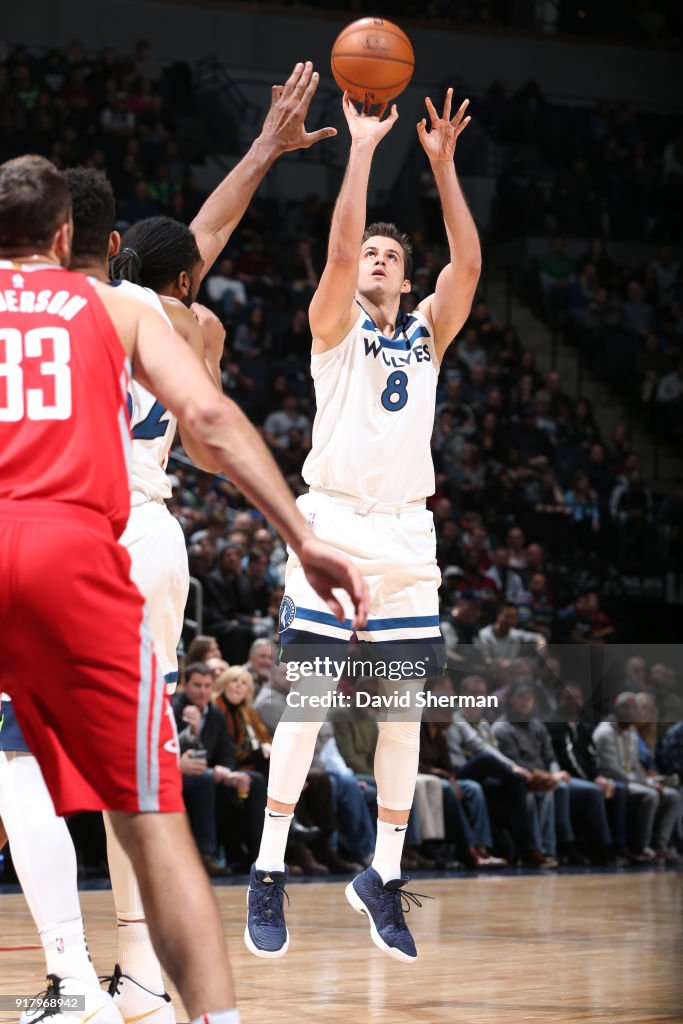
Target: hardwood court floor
[(556, 949)]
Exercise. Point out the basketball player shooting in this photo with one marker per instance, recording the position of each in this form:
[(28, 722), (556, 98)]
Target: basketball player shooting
[(369, 471)]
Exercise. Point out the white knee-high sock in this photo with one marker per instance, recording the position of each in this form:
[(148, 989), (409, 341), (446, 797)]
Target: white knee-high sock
[(136, 955), (45, 861), (396, 761), (271, 855), (290, 761), (389, 849), (396, 758)]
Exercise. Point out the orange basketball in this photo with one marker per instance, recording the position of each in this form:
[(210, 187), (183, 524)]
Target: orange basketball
[(373, 60)]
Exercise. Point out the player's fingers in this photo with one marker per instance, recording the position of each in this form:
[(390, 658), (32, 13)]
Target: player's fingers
[(381, 110), (294, 77), (304, 80), (276, 93), (422, 125), (348, 106), (393, 114), (360, 595), (309, 91), (335, 607), (366, 105), (447, 105), (461, 127), (322, 133), (431, 109), (460, 111), (357, 589)]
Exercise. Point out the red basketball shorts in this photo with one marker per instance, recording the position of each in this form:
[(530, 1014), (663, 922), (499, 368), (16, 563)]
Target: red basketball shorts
[(77, 660)]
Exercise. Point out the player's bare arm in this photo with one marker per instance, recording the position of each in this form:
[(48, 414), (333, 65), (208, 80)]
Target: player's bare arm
[(332, 311), (449, 306), (165, 365), (283, 130), (205, 334)]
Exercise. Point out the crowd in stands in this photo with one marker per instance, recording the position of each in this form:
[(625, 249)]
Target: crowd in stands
[(125, 115), (628, 20), (532, 508), (627, 323), (531, 780), (599, 169)]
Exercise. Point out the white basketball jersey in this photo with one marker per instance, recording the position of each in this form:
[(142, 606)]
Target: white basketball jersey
[(375, 412), (153, 427)]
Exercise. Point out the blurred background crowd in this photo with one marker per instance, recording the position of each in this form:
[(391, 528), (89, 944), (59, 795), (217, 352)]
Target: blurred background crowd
[(548, 526)]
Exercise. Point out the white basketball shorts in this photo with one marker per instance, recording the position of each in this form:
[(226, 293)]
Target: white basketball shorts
[(159, 569), (394, 550)]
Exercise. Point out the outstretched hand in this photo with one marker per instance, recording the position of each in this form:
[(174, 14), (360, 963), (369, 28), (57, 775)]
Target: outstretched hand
[(439, 142), (366, 127), (289, 103), (327, 570)]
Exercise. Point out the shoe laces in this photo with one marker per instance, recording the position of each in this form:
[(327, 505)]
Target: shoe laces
[(264, 896), (112, 981), (49, 993), (401, 902)]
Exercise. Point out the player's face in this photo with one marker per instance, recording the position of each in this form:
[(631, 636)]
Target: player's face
[(381, 272)]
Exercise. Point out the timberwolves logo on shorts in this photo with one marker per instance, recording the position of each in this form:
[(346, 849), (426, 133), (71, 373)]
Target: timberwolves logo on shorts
[(287, 613)]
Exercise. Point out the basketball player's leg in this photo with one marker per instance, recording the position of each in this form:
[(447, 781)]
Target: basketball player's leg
[(136, 985), (173, 882), (45, 862), (307, 630), (405, 630), (159, 569), (87, 624), (378, 891)]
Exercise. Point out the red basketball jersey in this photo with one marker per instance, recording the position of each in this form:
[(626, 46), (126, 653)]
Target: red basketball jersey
[(64, 432)]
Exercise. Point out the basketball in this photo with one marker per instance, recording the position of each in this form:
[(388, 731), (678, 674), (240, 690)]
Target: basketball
[(373, 60)]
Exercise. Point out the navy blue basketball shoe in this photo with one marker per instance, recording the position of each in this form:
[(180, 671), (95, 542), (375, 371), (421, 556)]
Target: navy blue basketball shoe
[(266, 933), (384, 906)]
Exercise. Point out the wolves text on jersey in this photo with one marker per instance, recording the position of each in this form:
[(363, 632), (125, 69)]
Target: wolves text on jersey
[(417, 354)]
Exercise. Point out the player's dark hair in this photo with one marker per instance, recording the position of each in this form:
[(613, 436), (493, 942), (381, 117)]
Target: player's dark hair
[(94, 213), (34, 202), (153, 252), (197, 667), (387, 230)]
